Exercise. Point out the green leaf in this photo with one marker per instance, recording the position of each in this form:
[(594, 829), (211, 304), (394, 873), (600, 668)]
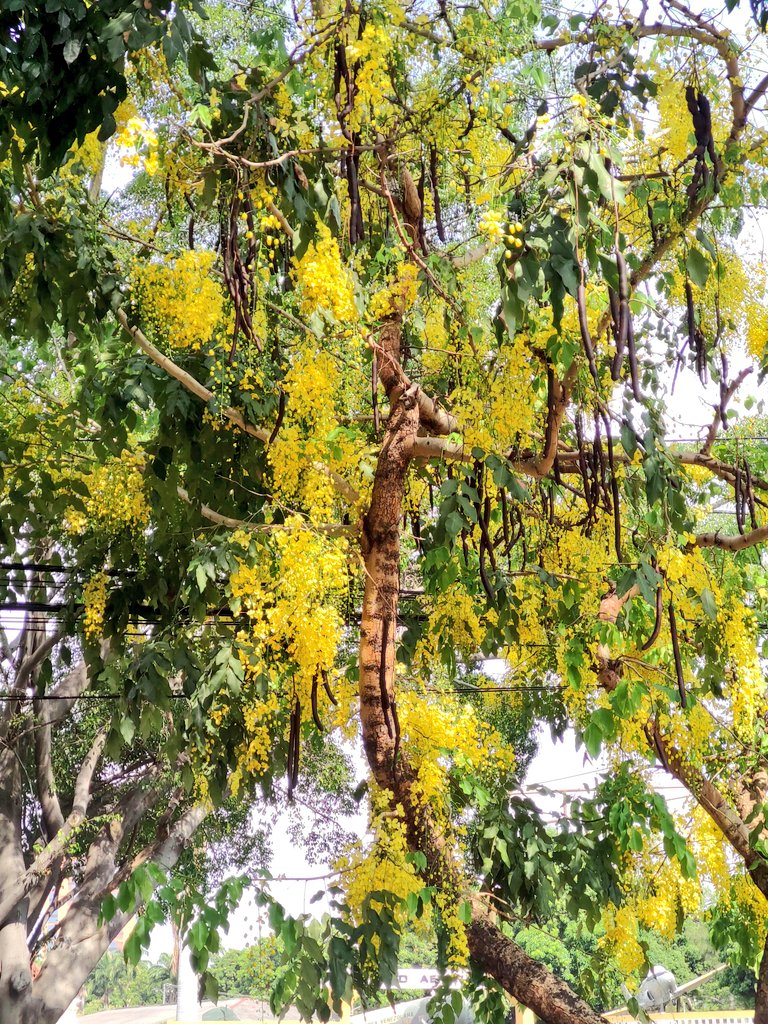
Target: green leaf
[(697, 266), (132, 948), (127, 729), (454, 523), (202, 577), (708, 603), (72, 49)]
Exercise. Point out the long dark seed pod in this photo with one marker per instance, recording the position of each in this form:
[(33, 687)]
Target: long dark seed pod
[(484, 575), (436, 193), (738, 494), (505, 518), (615, 494), (600, 457), (484, 523), (657, 622), (613, 305), (523, 539), (690, 315), (420, 227), (315, 716), (328, 691), (676, 654), (594, 497), (385, 704), (586, 338), (356, 224), (583, 469), (416, 531), (293, 748), (191, 232), (281, 403), (622, 314), (651, 731), (632, 356), (465, 547), (375, 391), (750, 495)]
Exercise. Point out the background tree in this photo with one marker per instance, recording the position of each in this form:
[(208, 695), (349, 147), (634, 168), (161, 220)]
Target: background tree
[(369, 374)]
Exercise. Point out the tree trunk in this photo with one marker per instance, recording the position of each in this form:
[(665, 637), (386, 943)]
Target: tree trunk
[(15, 972), (761, 994), (522, 977)]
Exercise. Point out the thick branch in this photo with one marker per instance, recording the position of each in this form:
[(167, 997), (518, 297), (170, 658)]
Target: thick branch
[(727, 395), (328, 529), (83, 939), (16, 888), (394, 379), (194, 386), (735, 543)]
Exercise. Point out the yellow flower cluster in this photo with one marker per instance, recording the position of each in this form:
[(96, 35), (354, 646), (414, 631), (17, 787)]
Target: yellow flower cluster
[(620, 938), (324, 282), (116, 500), (311, 386), (748, 896), (457, 952), (439, 733), (454, 622), (748, 682), (711, 853), (254, 755), (670, 894), (292, 595), (95, 600), (399, 294), (178, 299), (138, 145), (372, 79), (381, 865), (491, 224), (503, 408)]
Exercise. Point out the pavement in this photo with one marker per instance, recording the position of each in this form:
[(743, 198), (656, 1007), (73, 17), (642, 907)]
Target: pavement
[(249, 1011), (137, 1015)]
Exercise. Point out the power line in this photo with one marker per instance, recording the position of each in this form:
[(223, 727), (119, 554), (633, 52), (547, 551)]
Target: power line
[(25, 697)]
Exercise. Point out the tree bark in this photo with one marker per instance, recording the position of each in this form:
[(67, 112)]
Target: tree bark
[(761, 994), (15, 972)]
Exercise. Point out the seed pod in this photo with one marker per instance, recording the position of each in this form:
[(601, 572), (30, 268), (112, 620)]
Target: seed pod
[(396, 751), (484, 575), (281, 403), (328, 691), (657, 622), (586, 338), (676, 654), (436, 193), (738, 494), (293, 748), (505, 519), (315, 716), (615, 494), (750, 495)]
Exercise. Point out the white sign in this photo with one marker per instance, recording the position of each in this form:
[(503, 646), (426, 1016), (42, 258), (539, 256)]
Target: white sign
[(416, 977)]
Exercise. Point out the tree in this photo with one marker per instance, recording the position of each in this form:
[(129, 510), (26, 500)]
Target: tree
[(365, 377), (250, 971), (114, 984)]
